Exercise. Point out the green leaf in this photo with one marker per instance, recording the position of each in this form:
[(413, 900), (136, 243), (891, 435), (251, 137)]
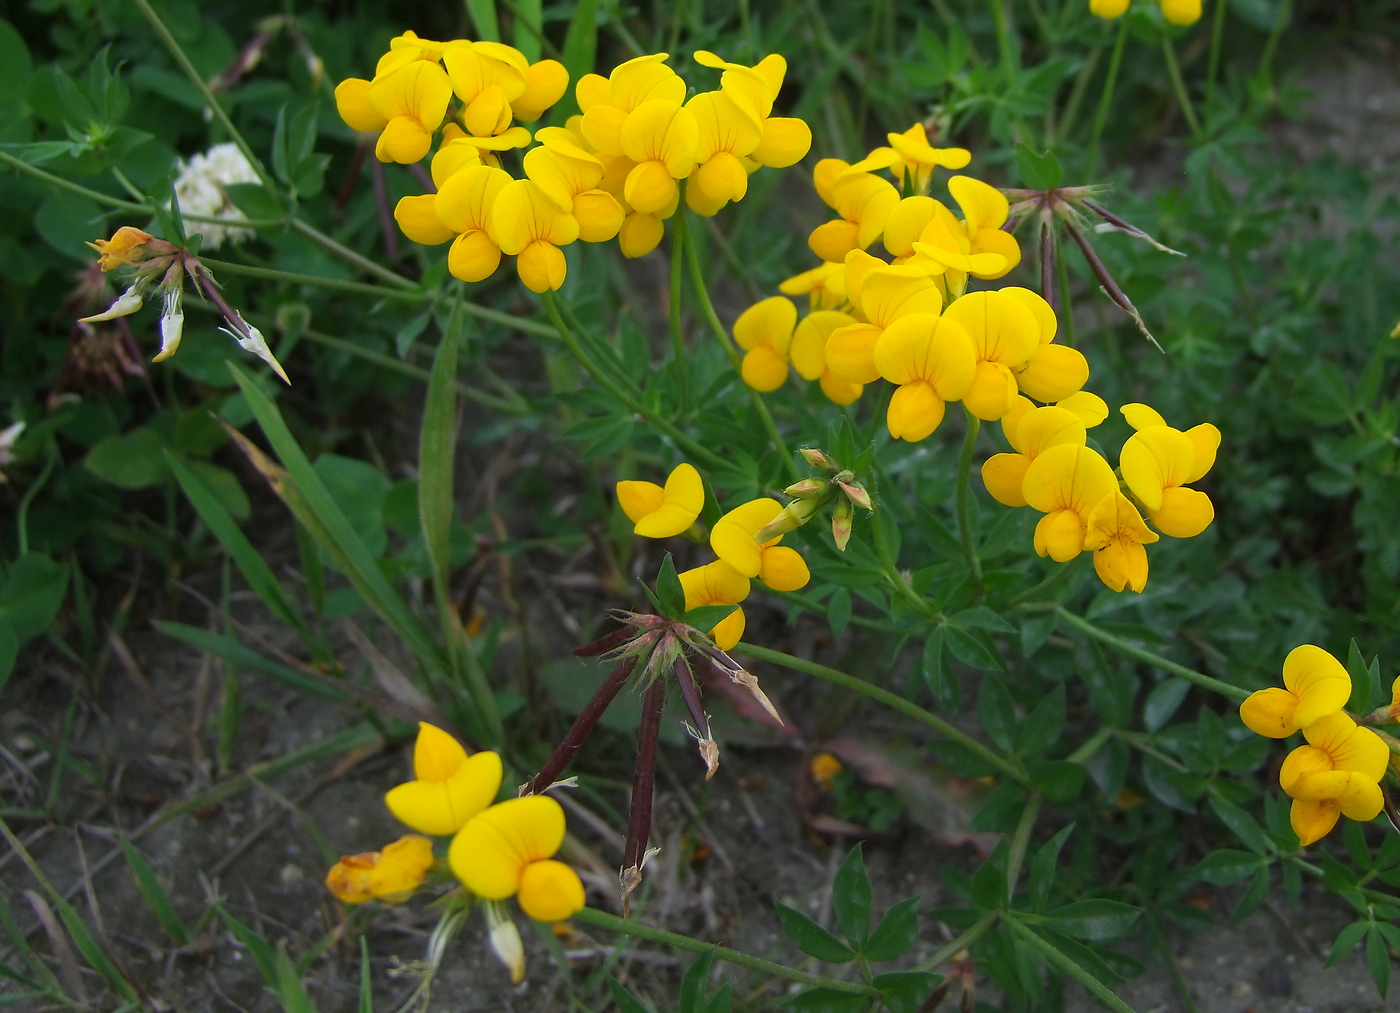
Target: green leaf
[(692, 996), (811, 938), (1043, 725), (972, 647), (256, 944), (483, 14), (719, 1002), (895, 933), (940, 681), (223, 646), (1059, 780), (669, 591), (1001, 810), (1365, 681), (997, 711), (982, 618), (626, 1001), (437, 453), (1245, 826), (249, 561), (16, 68), (358, 488), (838, 610), (254, 200), (988, 885), (1252, 898), (1038, 172), (154, 894), (826, 1000), (289, 987), (1346, 941), (707, 617), (1043, 868), (1163, 701), (850, 896), (134, 460), (91, 950), (367, 984), (1095, 920), (580, 49), (1378, 960), (905, 991), (32, 594), (1228, 865)]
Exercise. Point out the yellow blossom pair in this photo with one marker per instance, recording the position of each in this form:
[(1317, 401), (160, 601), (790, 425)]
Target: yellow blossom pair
[(1338, 772), (1177, 12)]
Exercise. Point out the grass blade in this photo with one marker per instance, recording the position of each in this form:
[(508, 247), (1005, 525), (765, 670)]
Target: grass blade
[(366, 989), (233, 652), (289, 987), (154, 894), (257, 946)]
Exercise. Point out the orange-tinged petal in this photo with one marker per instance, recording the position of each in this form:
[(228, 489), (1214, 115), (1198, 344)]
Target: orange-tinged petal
[(1184, 513), (1312, 821), (1121, 564), (545, 84), (640, 499), (769, 322), (732, 537), (420, 222), (550, 891), (355, 108), (783, 569), (915, 411), (401, 868), (348, 879), (490, 853), (1003, 474), (1362, 799)]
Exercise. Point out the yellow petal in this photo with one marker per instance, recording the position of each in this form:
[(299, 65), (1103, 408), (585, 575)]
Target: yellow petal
[(1108, 9), (832, 240), (764, 369), (1003, 474), (729, 630), (524, 215), (640, 499), (436, 754), (1362, 799), (681, 501), (1347, 746), (418, 91), (721, 126), (403, 141), (1121, 564), (732, 538), (906, 223), (1043, 312), (591, 90), (1312, 821), (722, 178), (1181, 12), (994, 253), (643, 79), (1303, 763), (355, 108), (935, 350), (1045, 427), (1052, 373), (440, 808), (808, 348), (401, 867), (465, 199), (1269, 712), (661, 131), (550, 891), (1153, 460), (420, 222), (768, 322), (824, 176), (490, 853), (915, 411), (715, 583), (983, 206), (599, 216), (1059, 534), (545, 83), (1088, 407), (1318, 681), (783, 569), (839, 391), (888, 293), (602, 126), (1140, 416), (1184, 513), (474, 256), (650, 188), (992, 392), (1011, 421), (1068, 477), (786, 141), (640, 234), (452, 157), (488, 113), (542, 266), (1205, 438)]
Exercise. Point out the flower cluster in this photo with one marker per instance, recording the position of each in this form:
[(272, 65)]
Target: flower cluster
[(910, 320), (616, 170), (1177, 12), (745, 541), (199, 189), (497, 851), (1338, 772)]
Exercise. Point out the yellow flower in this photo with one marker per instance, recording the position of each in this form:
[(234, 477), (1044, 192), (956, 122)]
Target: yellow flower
[(784, 140), (1065, 483), (462, 208), (1053, 373), (1116, 535), (530, 227), (919, 158), (1108, 9), (1157, 462), (764, 332), (1316, 685), (659, 512), (460, 149), (570, 176), (450, 787), (808, 352), (883, 295), (824, 286), (932, 361), (487, 77), (127, 246), (733, 540), (661, 137), (607, 102), (1181, 12), (718, 583), (824, 768), (411, 101), (864, 202), (1004, 335), (545, 84), (726, 135), (390, 875), (507, 850), (1030, 431), (1336, 774), (975, 246)]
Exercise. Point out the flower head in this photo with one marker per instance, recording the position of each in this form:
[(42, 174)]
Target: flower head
[(1116, 535), (1065, 482), (390, 874), (864, 202), (1030, 431), (733, 540), (508, 851), (808, 351), (450, 787), (661, 512), (764, 332), (1158, 462), (916, 158), (1336, 774), (1004, 335), (127, 246), (718, 583), (931, 360), (531, 227), (1315, 685), (883, 295)]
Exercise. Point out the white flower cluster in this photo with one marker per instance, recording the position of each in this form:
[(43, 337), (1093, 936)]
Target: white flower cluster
[(200, 191)]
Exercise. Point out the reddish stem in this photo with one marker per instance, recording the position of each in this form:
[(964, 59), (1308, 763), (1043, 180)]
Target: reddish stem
[(1101, 272), (582, 727), (690, 693), (606, 642), (644, 778), (386, 217)]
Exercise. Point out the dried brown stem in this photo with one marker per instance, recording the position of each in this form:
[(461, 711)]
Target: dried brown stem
[(1110, 286), (582, 727), (690, 693), (643, 785)]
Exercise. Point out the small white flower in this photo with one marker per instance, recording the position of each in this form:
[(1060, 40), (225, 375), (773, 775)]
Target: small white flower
[(505, 939), (251, 340), (200, 191), (172, 323), (126, 304), (8, 438)]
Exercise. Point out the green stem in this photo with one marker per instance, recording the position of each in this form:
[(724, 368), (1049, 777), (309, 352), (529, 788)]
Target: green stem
[(1235, 693), (272, 274), (955, 946), (22, 514), (350, 256), (1003, 40), (1095, 743), (1217, 38), (1266, 60), (1062, 572), (1076, 96), (628, 927), (1183, 97), (889, 699), (678, 230), (1020, 841), (920, 604), (1066, 964), (206, 93), (1106, 100), (707, 310), (964, 498), (692, 447)]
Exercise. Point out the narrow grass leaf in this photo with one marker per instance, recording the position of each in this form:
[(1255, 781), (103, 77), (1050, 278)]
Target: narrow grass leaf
[(154, 894), (257, 946), (289, 987), (231, 650)]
